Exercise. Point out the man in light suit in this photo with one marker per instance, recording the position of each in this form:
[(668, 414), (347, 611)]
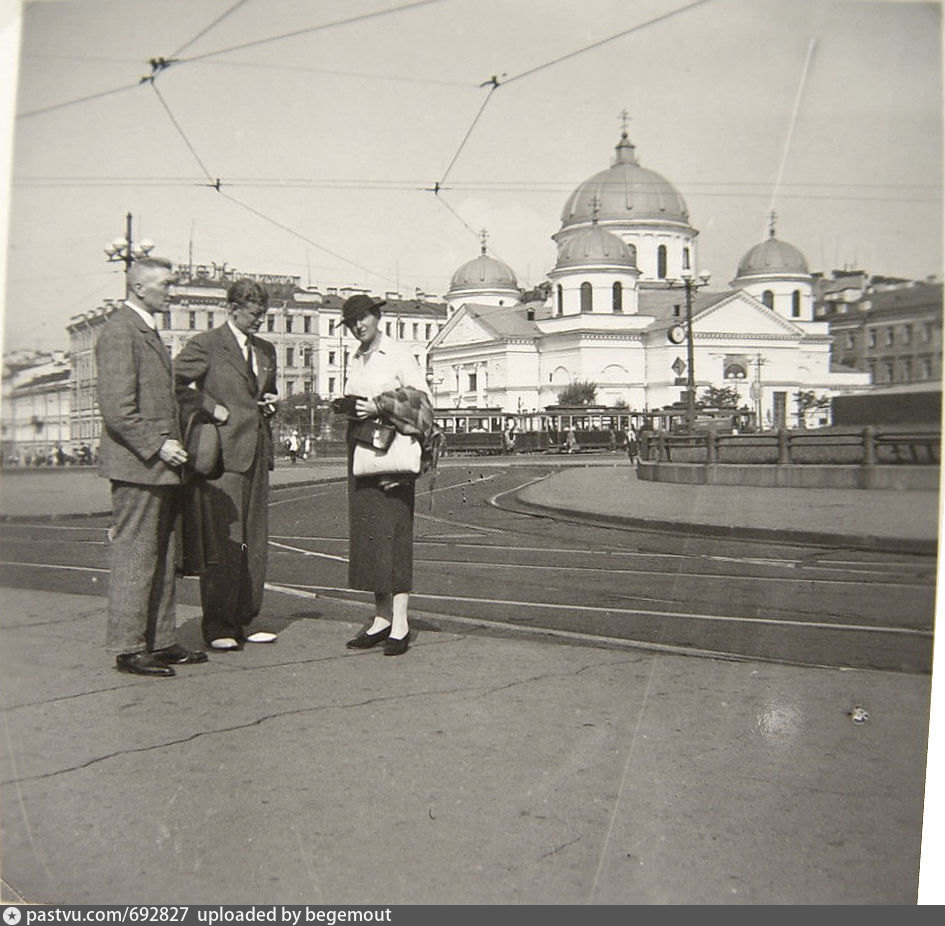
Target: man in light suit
[(141, 454), (229, 374)]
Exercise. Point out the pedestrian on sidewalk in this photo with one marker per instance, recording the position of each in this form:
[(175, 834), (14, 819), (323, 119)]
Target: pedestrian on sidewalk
[(380, 508), (229, 374), (141, 454)]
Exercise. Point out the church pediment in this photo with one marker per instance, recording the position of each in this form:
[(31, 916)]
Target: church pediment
[(739, 313), (464, 328)]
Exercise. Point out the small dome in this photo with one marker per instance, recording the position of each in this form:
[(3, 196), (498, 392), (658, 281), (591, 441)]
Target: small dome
[(594, 245), (623, 192), (484, 273), (772, 256)]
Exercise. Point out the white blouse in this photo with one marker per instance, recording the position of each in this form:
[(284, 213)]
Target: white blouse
[(388, 365)]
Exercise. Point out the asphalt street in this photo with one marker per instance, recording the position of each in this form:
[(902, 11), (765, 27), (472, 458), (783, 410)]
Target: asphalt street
[(589, 713)]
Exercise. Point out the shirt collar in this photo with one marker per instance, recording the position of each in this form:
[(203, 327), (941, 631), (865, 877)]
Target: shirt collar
[(380, 346), (146, 317), (241, 337)]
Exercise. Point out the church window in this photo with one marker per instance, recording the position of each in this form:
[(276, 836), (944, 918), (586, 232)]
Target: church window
[(471, 382), (427, 330), (209, 320), (618, 296), (767, 297), (661, 262), (290, 357), (587, 297), (685, 259), (288, 324), (331, 327), (387, 329), (331, 385), (270, 323), (560, 307), (400, 330), (192, 321), (796, 304), (307, 324), (331, 358)]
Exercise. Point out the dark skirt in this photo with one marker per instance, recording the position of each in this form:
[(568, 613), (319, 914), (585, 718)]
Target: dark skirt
[(380, 534)]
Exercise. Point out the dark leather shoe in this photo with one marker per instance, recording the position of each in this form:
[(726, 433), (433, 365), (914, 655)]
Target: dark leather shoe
[(394, 647), (176, 655), (142, 664), (366, 640)]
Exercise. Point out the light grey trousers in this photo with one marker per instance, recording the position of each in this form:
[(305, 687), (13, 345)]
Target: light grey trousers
[(141, 589)]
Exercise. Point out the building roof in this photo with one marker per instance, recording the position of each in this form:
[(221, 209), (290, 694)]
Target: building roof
[(625, 191), (772, 257), (484, 272), (594, 245), (662, 303), (509, 321)]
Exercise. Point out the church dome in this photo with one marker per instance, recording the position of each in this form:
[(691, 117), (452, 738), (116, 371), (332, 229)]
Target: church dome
[(484, 273), (625, 191), (594, 245), (773, 257)]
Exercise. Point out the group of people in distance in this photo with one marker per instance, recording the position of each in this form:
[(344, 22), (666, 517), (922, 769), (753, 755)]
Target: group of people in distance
[(227, 376)]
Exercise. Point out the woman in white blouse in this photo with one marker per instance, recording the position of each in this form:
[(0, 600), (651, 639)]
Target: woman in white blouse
[(380, 508)]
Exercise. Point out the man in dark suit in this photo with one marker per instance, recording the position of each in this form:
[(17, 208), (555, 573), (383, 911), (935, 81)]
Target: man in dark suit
[(229, 374), (141, 454)]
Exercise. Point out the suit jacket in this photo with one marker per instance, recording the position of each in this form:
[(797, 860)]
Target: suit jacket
[(210, 371), (136, 401)]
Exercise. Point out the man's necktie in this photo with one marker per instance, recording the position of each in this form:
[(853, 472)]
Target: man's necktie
[(250, 371)]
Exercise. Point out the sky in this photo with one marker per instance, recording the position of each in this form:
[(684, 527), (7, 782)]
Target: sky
[(329, 124)]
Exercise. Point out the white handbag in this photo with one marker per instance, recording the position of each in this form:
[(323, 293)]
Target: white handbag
[(402, 456)]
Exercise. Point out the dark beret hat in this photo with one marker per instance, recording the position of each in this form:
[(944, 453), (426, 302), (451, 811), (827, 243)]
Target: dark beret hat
[(357, 305)]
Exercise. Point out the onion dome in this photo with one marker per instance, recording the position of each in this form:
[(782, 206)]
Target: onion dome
[(484, 273), (594, 245), (623, 192), (772, 257)]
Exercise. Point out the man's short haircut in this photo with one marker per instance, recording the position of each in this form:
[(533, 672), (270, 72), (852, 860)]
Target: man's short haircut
[(139, 268), (242, 292)]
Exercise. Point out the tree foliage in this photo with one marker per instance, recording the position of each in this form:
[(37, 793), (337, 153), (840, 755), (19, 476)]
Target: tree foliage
[(807, 400), (581, 392), (719, 397)]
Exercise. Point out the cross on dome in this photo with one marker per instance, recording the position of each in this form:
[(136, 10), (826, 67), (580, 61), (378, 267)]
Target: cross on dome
[(483, 237)]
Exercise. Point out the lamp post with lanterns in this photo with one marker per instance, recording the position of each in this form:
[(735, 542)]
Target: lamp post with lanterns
[(677, 333), (125, 251)]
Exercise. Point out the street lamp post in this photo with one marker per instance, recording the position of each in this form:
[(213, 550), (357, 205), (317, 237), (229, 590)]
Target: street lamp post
[(690, 286), (124, 249)]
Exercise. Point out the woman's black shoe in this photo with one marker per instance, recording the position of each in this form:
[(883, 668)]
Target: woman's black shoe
[(394, 647), (366, 640)]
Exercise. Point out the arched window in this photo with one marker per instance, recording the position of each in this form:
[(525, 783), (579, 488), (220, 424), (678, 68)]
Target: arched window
[(617, 301), (661, 262), (587, 297), (685, 259), (560, 309), (796, 304), (767, 297)]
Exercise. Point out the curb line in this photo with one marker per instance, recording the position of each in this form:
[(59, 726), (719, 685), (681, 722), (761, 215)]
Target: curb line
[(870, 543)]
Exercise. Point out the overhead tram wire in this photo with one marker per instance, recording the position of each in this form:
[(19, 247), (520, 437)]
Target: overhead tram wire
[(611, 38), (81, 99), (180, 131), (494, 83), (206, 29), (302, 237), (289, 35), (217, 185)]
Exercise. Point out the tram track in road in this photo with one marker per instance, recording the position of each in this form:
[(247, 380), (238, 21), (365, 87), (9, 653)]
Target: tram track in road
[(480, 568)]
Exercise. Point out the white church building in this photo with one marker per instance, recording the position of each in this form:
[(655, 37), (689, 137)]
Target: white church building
[(616, 314)]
